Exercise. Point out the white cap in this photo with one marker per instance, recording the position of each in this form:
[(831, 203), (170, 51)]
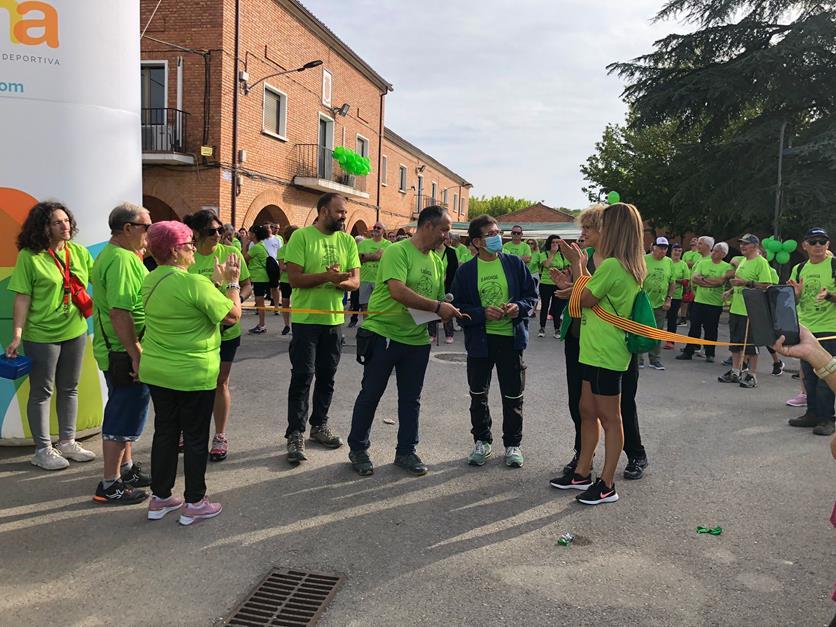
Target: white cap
[(662, 241)]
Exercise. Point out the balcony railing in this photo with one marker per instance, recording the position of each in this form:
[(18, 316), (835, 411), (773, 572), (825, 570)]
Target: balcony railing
[(422, 201), (164, 130), (311, 161)]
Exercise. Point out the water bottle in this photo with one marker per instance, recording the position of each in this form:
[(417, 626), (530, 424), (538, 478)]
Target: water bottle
[(566, 539)]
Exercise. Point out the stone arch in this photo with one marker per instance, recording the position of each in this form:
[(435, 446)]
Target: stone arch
[(360, 228), (266, 207), (158, 209), (272, 213)]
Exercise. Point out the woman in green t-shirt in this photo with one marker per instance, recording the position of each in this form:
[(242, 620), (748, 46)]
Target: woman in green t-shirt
[(50, 326), (284, 282), (256, 257), (550, 304)]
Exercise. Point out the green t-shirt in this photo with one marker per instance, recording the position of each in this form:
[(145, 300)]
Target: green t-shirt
[(681, 271), (315, 252), (368, 269), (558, 261), (735, 261), (117, 280), (692, 258), (419, 272), (817, 315), (602, 344), (280, 258), (205, 265), (493, 291), (773, 273), (658, 280), (463, 254), (534, 265), (707, 269), (257, 264), (520, 250), (756, 270), (37, 275), (180, 348), (236, 242)]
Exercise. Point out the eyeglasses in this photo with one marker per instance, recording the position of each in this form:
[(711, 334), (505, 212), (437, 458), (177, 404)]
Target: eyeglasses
[(818, 242), (377, 228), (210, 231), (516, 232), (192, 244), (144, 226)]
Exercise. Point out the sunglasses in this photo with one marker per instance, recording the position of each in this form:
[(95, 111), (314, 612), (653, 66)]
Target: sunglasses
[(818, 242), (144, 226), (516, 232), (210, 231)]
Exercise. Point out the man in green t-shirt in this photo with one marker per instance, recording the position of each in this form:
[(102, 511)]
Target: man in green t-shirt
[(118, 325), (370, 251), (462, 251), (410, 283), (815, 287), (516, 246), (660, 286), (322, 263)]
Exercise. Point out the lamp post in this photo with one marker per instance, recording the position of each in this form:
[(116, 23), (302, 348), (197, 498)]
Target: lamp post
[(310, 64)]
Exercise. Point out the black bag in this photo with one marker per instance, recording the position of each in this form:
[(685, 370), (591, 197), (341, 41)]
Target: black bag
[(364, 344), (273, 271), (120, 367)]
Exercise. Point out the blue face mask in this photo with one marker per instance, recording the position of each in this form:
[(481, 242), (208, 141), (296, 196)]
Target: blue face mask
[(493, 243)]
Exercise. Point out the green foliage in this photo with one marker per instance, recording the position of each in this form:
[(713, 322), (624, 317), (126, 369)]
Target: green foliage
[(496, 205)]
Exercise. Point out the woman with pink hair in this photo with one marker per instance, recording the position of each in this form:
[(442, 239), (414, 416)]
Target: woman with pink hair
[(180, 364)]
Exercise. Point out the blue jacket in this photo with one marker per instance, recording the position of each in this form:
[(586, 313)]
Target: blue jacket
[(521, 291)]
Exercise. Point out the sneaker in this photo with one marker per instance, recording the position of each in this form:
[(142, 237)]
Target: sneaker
[(157, 507), (480, 453), (684, 357), (656, 364), (326, 437), (513, 457), (748, 380), (257, 330), (709, 359), (296, 448), (135, 478), (699, 354), (569, 468), (361, 463), (635, 468), (557, 335), (808, 420), (668, 346), (796, 375), (824, 428), (286, 330), (352, 323), (118, 494), (448, 340), (729, 377), (203, 509), (641, 362), (73, 450), (220, 448), (727, 362), (777, 368), (412, 463), (49, 459), (799, 400), (572, 481), (541, 332), (597, 494)]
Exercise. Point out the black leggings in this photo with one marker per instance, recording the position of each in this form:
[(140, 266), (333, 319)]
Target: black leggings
[(673, 314), (550, 304)]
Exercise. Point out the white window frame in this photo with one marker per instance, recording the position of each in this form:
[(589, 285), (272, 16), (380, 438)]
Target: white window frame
[(455, 203), (327, 80), (403, 178), (282, 134), (384, 165), (444, 196), (434, 191), (360, 137), (164, 63)]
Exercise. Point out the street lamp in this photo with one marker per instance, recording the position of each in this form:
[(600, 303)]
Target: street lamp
[(307, 66)]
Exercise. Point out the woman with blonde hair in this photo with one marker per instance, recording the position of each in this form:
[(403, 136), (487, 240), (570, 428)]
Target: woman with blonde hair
[(604, 358)]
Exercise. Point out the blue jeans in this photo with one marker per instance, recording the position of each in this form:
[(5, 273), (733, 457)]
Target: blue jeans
[(820, 399), (410, 365), (125, 411)]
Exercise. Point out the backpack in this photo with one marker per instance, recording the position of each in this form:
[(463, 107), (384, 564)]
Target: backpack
[(643, 314), (803, 263), (273, 271)]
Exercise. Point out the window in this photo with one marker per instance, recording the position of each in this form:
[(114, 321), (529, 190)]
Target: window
[(384, 162), (362, 146), (463, 208), (434, 189), (327, 85), (154, 87), (402, 182), (419, 195), (275, 113), (444, 197), (455, 203)]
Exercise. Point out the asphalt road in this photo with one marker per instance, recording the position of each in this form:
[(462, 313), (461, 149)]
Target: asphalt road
[(462, 545)]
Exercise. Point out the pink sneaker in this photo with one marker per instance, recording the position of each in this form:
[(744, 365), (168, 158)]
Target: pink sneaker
[(798, 401), (669, 346), (448, 340), (157, 507), (194, 512)]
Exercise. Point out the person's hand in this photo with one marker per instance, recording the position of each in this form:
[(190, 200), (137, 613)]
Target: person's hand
[(808, 348), (11, 347), (572, 252), (448, 312), (512, 310), (562, 278), (822, 295), (667, 304), (333, 275), (798, 287), (135, 367), (231, 270), (494, 313), (378, 254), (737, 282)]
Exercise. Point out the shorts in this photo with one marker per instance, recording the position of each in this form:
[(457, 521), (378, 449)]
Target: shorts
[(365, 292), (261, 289), (604, 382), (125, 411), (229, 348), (285, 289), (737, 334)]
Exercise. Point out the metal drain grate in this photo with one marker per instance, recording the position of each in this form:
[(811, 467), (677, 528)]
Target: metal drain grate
[(287, 598)]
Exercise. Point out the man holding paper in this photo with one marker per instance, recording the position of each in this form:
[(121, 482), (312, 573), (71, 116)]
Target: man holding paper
[(408, 292)]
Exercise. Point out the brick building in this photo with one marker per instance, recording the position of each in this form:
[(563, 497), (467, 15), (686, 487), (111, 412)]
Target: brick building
[(228, 124), (537, 213)]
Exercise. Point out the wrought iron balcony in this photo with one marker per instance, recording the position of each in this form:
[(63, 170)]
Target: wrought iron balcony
[(427, 201), (314, 167), (164, 136)]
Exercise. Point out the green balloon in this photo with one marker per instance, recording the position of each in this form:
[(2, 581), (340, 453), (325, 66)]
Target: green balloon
[(613, 197), (782, 257), (773, 245), (769, 255), (790, 245)]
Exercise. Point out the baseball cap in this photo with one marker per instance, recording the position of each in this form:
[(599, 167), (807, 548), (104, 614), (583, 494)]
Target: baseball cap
[(816, 231), (662, 241), (676, 245), (750, 239)]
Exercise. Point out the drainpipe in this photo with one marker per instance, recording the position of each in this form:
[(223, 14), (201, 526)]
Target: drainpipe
[(236, 89), (379, 155)]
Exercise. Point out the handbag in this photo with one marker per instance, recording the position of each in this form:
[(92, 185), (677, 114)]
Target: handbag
[(119, 364), (74, 289)]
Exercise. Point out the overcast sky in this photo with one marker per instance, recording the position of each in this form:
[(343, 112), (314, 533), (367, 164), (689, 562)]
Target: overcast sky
[(512, 95)]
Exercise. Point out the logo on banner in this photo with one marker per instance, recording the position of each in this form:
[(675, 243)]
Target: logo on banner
[(31, 22)]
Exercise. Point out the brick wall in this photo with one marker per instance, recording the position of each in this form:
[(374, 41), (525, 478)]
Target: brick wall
[(537, 213)]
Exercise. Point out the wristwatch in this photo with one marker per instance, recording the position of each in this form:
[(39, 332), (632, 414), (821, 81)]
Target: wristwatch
[(233, 286), (827, 370)]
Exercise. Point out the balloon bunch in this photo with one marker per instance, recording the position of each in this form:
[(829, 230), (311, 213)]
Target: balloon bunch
[(777, 250), (351, 161), (613, 197)]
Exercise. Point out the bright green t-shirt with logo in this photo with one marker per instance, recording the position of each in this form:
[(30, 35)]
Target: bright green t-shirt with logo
[(421, 273), (117, 278), (558, 261), (692, 257), (707, 269), (817, 315), (658, 280), (368, 269), (257, 264), (205, 265), (520, 250), (37, 275), (681, 272), (493, 291), (602, 344), (180, 348), (463, 254), (315, 253), (756, 270)]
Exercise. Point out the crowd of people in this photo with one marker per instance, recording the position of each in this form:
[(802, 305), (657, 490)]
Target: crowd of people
[(180, 312)]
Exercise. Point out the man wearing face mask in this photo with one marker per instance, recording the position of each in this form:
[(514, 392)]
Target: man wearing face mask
[(497, 292)]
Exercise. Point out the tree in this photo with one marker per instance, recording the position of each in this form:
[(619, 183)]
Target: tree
[(496, 205)]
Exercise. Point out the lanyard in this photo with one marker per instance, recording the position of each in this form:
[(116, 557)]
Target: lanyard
[(65, 271)]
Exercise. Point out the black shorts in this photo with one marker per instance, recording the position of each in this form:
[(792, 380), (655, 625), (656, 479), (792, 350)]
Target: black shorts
[(737, 333), (285, 289), (261, 289), (604, 382), (229, 348)]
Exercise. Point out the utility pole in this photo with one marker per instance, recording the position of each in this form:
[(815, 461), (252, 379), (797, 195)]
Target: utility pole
[(775, 229)]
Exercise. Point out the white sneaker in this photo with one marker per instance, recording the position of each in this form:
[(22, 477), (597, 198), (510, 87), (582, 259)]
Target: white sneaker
[(72, 450), (49, 459)]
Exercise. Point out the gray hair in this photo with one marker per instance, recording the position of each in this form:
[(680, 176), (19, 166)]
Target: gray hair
[(123, 214), (229, 229), (722, 246), (708, 240)]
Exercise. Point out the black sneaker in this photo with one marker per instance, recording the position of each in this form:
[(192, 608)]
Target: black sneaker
[(778, 368), (635, 468), (656, 364), (286, 330), (411, 463), (729, 377), (684, 357), (825, 427), (572, 481), (597, 494), (727, 362), (361, 463), (118, 494), (135, 478), (807, 420), (569, 468), (748, 380), (352, 323), (709, 359), (296, 448), (326, 437)]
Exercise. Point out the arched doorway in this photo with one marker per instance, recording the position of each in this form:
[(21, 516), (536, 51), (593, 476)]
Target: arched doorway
[(360, 228), (158, 209), (271, 213)]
